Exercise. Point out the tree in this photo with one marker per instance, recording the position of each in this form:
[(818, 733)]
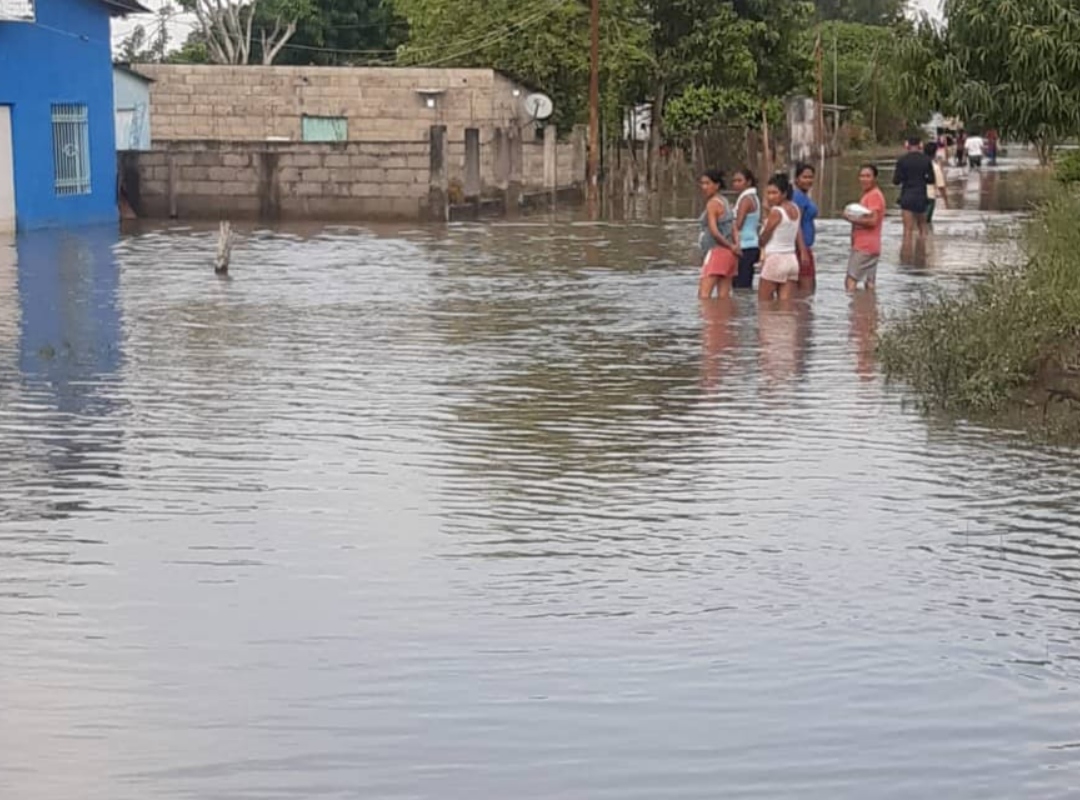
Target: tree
[(1009, 64), (346, 32), (866, 12), (543, 45), (228, 26), (862, 58), (138, 47)]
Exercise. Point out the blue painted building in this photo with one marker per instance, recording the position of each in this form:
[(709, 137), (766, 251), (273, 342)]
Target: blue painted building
[(57, 128)]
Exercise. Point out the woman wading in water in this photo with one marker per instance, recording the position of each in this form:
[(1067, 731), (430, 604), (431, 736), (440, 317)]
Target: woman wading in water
[(717, 239), (782, 242), (747, 221), (808, 212)]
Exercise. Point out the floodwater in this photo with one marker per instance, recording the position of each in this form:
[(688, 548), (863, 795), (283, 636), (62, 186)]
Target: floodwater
[(499, 510)]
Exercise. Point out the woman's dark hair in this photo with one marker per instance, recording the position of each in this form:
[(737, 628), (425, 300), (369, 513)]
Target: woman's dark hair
[(782, 183), (871, 167), (930, 148), (802, 167), (714, 175), (747, 175)]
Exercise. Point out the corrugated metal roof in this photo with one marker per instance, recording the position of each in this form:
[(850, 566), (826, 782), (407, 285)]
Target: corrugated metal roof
[(119, 8)]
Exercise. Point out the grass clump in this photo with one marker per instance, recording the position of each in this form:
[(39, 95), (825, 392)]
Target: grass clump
[(1009, 337)]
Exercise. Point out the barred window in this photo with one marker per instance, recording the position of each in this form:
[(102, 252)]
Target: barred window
[(71, 149)]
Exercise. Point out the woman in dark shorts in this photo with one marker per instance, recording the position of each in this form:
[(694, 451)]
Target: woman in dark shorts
[(914, 173)]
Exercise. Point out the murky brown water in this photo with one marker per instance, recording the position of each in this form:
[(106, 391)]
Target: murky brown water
[(500, 511)]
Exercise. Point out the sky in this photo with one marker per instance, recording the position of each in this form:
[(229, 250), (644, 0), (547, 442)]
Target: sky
[(183, 23)]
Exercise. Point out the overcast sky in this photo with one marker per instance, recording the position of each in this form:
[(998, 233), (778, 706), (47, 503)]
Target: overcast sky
[(182, 23)]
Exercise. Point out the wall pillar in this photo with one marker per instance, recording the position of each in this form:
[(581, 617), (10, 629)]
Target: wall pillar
[(472, 164), (580, 145), (269, 190), (174, 178), (515, 165), (551, 158), (500, 146), (438, 182)]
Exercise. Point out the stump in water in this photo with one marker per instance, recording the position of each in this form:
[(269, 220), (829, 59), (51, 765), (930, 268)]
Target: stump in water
[(224, 248)]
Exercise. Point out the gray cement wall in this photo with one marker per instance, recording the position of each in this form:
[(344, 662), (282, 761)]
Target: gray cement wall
[(403, 180)]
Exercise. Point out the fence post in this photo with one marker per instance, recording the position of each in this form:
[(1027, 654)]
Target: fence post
[(438, 185)]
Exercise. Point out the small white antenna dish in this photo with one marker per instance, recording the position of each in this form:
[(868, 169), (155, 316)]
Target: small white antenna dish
[(538, 106)]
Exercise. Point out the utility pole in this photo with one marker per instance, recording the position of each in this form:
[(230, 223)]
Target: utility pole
[(593, 167), (820, 58)]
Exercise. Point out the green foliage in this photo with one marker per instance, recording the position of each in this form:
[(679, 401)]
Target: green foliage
[(1009, 64), (864, 12), (970, 353), (1067, 167), (699, 107), (545, 44), (346, 32), (861, 59)]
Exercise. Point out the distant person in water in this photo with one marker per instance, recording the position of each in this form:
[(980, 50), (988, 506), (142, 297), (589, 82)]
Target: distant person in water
[(914, 173), (975, 147), (808, 211), (717, 239), (937, 191), (747, 223), (866, 228), (991, 147), (781, 242)]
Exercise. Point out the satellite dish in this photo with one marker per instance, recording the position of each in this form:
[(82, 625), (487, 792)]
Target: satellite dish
[(539, 106)]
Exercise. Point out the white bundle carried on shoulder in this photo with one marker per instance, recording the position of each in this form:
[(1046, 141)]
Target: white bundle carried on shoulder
[(857, 210)]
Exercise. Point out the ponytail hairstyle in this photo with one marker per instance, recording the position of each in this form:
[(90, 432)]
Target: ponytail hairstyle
[(748, 175), (714, 175), (782, 184)]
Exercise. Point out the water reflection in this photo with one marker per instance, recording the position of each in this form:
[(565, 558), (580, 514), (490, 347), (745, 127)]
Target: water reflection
[(59, 427), (864, 321), (719, 337)]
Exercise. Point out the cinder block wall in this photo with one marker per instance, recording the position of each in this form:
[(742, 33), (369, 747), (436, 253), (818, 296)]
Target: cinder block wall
[(379, 103), (354, 180)]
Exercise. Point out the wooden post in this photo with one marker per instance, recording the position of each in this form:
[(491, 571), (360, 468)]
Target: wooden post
[(593, 168)]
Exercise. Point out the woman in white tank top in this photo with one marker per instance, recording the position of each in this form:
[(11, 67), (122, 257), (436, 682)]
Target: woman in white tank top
[(781, 242)]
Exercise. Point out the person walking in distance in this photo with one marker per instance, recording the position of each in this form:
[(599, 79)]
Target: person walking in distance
[(808, 212), (937, 191), (975, 146), (914, 173), (781, 241), (747, 222), (717, 239), (866, 227)]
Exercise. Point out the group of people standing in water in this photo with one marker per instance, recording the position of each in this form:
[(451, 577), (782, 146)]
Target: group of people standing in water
[(778, 231)]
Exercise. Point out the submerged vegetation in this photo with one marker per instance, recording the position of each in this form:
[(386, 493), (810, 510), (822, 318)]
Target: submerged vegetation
[(1009, 344)]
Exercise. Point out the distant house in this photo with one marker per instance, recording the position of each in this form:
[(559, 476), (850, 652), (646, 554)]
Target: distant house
[(131, 93), (57, 130)]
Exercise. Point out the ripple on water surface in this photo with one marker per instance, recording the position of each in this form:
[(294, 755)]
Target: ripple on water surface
[(499, 510)]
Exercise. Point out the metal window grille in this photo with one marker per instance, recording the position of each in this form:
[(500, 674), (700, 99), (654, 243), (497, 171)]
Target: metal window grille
[(71, 149)]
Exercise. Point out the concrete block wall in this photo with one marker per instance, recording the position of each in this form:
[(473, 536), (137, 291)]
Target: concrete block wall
[(380, 104), (239, 180)]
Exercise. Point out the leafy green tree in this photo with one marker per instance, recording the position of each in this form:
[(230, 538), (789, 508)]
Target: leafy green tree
[(866, 12), (544, 45), (1009, 64), (858, 61), (346, 32)]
